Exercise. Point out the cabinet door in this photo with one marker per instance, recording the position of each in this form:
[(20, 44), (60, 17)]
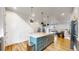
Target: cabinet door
[(39, 44), (44, 42), (51, 38)]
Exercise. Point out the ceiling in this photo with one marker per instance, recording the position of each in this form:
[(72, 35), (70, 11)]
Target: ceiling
[(50, 14)]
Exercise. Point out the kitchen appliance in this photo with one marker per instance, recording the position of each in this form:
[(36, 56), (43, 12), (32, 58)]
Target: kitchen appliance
[(74, 34)]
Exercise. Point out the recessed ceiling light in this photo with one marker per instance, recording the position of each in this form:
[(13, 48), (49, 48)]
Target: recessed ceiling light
[(62, 14), (33, 14), (44, 18), (14, 7)]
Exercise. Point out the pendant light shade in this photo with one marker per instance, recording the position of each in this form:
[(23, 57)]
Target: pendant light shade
[(32, 15)]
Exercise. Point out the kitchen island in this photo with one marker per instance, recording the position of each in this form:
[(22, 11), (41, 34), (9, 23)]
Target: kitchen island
[(41, 40)]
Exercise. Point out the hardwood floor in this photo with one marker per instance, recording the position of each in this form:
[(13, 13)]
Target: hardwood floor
[(60, 44), (17, 47)]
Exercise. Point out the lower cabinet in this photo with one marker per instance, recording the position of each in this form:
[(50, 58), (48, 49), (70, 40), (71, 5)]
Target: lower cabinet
[(41, 42)]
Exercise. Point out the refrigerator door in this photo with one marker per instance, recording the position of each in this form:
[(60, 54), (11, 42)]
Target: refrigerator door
[(78, 37), (74, 34)]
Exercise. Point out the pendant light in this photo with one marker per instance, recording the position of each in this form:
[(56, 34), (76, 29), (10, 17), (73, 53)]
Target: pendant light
[(42, 18), (48, 20), (32, 15)]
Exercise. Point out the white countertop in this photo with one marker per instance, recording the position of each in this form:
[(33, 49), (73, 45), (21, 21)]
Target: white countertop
[(40, 34)]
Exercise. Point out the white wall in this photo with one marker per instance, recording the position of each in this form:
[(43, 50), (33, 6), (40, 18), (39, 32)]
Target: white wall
[(1, 21), (17, 29)]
